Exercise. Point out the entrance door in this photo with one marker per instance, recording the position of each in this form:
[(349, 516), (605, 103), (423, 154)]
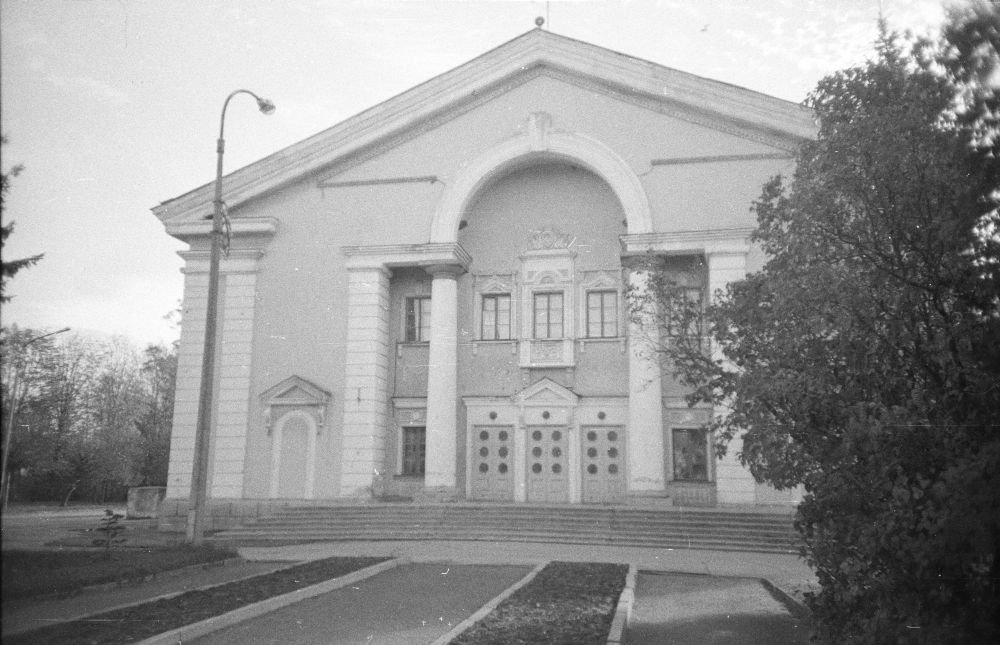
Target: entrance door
[(603, 472), (492, 472), (548, 479)]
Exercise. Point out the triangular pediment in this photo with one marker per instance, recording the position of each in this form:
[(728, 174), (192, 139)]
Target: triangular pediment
[(714, 104), (295, 390), (546, 392)]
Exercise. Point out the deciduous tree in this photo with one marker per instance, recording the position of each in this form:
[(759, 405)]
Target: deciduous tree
[(863, 360)]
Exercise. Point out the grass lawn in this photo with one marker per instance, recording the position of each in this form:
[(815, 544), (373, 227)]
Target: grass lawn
[(37, 573), (148, 619), (567, 603)]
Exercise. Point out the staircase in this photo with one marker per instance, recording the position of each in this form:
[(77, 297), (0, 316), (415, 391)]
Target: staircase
[(605, 525)]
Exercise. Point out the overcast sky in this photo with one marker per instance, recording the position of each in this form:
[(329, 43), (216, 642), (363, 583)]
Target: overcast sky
[(113, 105)]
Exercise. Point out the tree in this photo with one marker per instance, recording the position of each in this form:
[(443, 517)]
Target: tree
[(8, 269), (159, 370), (863, 360), (93, 417)]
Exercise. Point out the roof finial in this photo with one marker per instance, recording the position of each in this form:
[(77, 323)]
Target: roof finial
[(539, 21)]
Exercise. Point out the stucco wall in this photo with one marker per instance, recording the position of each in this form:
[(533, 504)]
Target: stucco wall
[(301, 286)]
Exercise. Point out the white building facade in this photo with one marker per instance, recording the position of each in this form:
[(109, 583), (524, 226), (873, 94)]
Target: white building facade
[(427, 301)]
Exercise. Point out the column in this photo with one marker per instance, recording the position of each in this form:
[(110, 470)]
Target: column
[(442, 380), (366, 379), (734, 483), (645, 398)]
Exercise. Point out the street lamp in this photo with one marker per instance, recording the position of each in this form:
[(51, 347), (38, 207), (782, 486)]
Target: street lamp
[(14, 404), (199, 476)]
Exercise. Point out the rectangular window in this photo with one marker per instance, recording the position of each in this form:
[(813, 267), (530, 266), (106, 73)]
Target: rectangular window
[(690, 455), (496, 317), (549, 315), (418, 320), (414, 451), (685, 318), (602, 314)]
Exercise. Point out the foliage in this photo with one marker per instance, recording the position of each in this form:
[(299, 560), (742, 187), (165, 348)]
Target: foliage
[(863, 360), (111, 529), (8, 269), (92, 418)]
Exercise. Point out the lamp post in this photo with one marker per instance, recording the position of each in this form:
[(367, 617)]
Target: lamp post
[(199, 475), (14, 404)]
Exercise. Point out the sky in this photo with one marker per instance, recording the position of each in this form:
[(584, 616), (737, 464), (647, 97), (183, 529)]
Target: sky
[(113, 106)]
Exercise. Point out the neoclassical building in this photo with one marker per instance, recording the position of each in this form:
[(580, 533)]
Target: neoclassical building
[(427, 300)]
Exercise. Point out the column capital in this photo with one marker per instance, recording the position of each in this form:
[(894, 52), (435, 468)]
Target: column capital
[(445, 271)]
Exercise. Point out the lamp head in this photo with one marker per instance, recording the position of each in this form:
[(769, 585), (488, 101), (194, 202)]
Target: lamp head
[(265, 106)]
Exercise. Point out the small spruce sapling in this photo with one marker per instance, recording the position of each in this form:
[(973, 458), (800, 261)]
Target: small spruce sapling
[(111, 530)]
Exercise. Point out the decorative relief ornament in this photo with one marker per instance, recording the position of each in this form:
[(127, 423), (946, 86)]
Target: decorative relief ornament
[(547, 239)]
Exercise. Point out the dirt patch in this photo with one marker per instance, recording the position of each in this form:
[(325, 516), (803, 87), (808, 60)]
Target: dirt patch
[(567, 603)]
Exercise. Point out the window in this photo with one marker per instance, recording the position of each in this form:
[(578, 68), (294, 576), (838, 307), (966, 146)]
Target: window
[(690, 454), (602, 314), (418, 320), (685, 305), (414, 451), (549, 315), (496, 317)]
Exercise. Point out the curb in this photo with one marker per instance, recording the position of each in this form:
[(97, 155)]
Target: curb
[(483, 611), (247, 612), (623, 613), (793, 606)]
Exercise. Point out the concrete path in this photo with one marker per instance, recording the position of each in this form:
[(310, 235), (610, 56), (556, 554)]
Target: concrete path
[(698, 610), (407, 605), (787, 572)]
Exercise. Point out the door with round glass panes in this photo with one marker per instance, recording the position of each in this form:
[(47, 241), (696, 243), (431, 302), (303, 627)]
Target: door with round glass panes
[(547, 475), (492, 471), (602, 459)]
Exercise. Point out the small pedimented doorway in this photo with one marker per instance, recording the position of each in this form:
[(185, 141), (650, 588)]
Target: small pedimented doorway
[(294, 414)]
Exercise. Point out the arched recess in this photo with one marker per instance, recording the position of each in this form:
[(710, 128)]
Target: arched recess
[(540, 142), (293, 455)]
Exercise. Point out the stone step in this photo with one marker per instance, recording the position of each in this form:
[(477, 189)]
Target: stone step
[(659, 528)]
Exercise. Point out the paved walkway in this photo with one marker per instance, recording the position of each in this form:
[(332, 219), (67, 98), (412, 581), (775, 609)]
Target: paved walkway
[(692, 610), (409, 605), (787, 572)]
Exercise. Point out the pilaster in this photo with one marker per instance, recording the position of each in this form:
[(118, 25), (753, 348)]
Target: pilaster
[(366, 379), (734, 483), (230, 417)]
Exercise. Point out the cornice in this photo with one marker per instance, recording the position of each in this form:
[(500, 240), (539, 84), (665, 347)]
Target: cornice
[(733, 240), (628, 75), (397, 255), (188, 231)]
